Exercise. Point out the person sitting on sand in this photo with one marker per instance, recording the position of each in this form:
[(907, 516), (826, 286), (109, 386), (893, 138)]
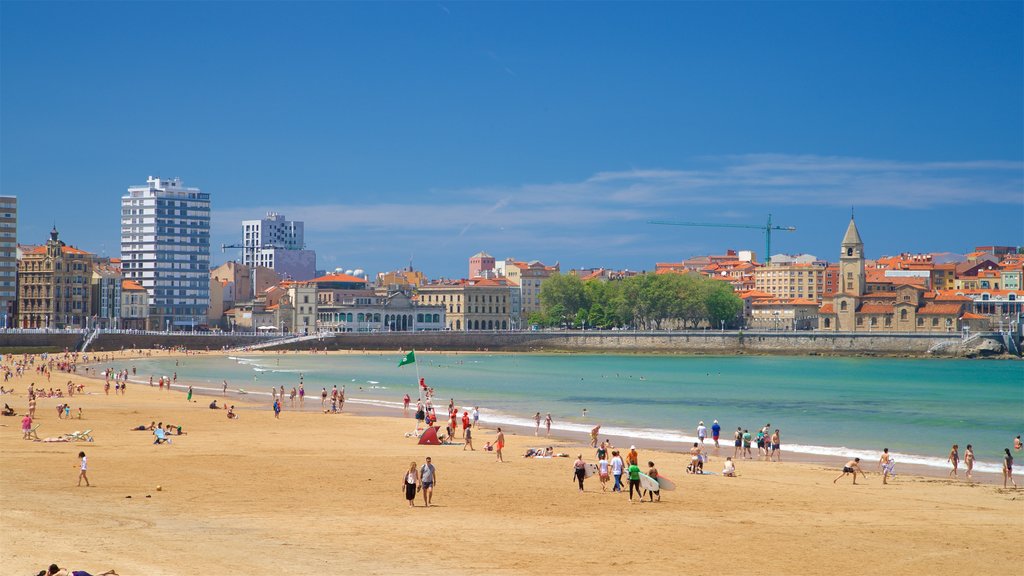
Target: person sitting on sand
[(231, 413), (851, 467), (213, 405), (8, 411), (729, 469), (488, 447)]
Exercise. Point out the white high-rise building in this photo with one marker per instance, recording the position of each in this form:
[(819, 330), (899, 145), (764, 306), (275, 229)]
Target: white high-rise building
[(278, 244), (165, 247)]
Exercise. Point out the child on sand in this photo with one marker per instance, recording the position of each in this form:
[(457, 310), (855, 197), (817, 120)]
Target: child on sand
[(730, 468), (84, 469)]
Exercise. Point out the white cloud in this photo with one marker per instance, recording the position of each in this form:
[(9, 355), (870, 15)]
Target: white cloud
[(600, 213)]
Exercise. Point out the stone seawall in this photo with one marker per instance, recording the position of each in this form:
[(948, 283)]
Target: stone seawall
[(111, 342), (56, 341), (628, 342), (724, 343)]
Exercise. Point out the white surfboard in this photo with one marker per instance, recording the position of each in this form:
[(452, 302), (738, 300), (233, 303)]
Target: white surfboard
[(665, 484), (648, 483)]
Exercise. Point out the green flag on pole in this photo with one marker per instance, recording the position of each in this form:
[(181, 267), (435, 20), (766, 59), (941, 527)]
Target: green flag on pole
[(407, 359)]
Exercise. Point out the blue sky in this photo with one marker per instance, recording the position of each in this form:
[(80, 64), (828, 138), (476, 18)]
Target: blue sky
[(532, 130)]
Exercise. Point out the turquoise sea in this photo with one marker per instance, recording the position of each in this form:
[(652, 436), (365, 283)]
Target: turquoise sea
[(827, 406)]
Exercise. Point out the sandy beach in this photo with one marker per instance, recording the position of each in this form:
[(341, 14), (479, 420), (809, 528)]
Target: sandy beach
[(322, 494)]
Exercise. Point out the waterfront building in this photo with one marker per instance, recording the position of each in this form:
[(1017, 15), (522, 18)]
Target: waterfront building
[(106, 294), (278, 244), (393, 311), (528, 276), (8, 260), (903, 307), (473, 304), (134, 306), (53, 285), (783, 314), (165, 247), (792, 280)]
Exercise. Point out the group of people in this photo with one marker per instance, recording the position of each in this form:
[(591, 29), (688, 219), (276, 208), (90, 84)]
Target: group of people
[(769, 444)]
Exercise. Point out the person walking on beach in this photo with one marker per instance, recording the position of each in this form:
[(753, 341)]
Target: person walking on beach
[(83, 469), (776, 445), (716, 430), (224, 392), (465, 423), (428, 478), (702, 433), (617, 468), (653, 473), (26, 427), (1008, 468), (547, 424), (593, 435), (746, 445), (954, 459), (737, 442), (632, 457), (410, 484), (634, 482), (536, 419), (602, 473), (851, 467), (579, 470), (405, 402), (476, 416), (32, 404), (189, 397), (499, 444), (323, 400), (467, 433), (887, 463), (277, 408), (969, 460), (1017, 444)]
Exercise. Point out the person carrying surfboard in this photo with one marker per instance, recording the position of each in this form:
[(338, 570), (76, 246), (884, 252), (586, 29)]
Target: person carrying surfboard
[(653, 473)]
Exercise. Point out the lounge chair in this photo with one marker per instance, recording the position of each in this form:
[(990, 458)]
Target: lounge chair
[(34, 432), (161, 436), (81, 436)]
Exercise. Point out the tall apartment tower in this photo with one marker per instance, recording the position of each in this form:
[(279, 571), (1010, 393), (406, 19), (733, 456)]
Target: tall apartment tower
[(165, 247), (8, 259), (278, 244)]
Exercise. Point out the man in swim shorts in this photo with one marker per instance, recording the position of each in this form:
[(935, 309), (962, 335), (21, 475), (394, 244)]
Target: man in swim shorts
[(851, 467), (428, 477)]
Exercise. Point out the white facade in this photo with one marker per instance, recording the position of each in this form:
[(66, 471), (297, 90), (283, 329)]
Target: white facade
[(278, 244), (165, 247)]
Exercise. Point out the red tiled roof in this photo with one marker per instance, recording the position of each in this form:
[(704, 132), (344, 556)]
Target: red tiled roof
[(338, 278), (972, 316), (131, 285), (940, 309), (827, 309)]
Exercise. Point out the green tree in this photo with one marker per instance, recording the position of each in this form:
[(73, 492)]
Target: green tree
[(562, 297)]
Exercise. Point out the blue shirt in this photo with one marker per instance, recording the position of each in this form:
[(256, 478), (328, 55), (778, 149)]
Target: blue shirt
[(715, 429)]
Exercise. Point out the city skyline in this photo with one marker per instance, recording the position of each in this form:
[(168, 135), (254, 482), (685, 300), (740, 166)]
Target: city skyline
[(540, 132)]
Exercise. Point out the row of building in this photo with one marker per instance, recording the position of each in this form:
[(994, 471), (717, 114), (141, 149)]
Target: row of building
[(904, 293), (163, 281)]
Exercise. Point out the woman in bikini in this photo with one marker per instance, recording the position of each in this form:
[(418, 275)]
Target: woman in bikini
[(954, 459), (1008, 468)]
